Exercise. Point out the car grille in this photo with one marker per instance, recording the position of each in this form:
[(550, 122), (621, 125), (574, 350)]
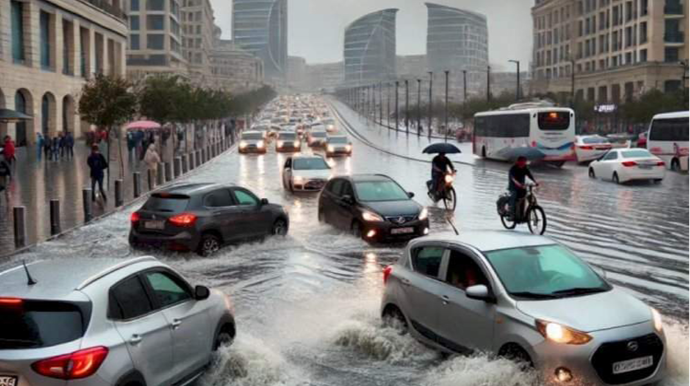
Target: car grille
[(609, 353), (315, 184), (400, 220)]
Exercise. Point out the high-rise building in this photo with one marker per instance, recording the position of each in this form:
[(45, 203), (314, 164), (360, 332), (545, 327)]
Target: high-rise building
[(457, 41), (198, 31), (260, 27), (155, 39), (618, 49), (234, 69), (48, 51), (297, 68), (370, 47), (325, 76)]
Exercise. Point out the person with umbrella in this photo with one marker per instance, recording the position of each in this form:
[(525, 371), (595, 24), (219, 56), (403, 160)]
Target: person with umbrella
[(440, 165)]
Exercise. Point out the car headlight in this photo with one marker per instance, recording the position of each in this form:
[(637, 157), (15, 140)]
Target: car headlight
[(281, 144), (658, 322), (372, 217), (348, 148), (423, 214), (260, 144), (561, 334), (331, 148), (298, 180), (296, 143)]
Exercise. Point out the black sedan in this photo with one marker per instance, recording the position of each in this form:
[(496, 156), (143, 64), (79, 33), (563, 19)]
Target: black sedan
[(203, 217), (373, 207)]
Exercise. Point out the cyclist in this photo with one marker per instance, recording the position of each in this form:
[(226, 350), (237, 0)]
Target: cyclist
[(516, 182), (439, 167)]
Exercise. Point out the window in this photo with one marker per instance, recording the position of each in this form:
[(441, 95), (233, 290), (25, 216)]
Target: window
[(675, 129), (427, 260), (503, 126), (671, 55), (45, 37), (612, 155), (155, 42), (335, 186), (168, 290), (218, 199), (134, 23), (155, 5), (17, 31), (129, 300), (554, 120), (155, 22), (134, 5), (243, 197), (377, 191), (37, 324), (463, 271), (133, 42)]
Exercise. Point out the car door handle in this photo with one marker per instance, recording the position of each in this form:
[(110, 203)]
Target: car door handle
[(445, 299), (175, 324), (135, 339)]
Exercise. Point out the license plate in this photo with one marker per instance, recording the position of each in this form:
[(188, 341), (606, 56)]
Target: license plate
[(7, 380), (632, 365), (646, 166), (402, 231), (158, 225)]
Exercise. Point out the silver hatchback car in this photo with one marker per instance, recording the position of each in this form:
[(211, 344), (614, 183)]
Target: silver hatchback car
[(107, 322), (528, 298)]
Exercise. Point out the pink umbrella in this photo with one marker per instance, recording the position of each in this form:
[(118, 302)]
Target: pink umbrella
[(143, 125)]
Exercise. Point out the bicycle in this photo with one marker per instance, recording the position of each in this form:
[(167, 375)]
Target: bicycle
[(444, 191), (527, 211)]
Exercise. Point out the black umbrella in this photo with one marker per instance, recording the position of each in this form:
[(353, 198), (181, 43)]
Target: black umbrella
[(11, 116), (446, 148)]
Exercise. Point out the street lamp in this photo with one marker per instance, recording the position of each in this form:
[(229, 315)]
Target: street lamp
[(464, 85), (446, 112), (431, 86), (381, 103), (419, 107), (407, 106), (388, 116), (397, 109), (517, 92)]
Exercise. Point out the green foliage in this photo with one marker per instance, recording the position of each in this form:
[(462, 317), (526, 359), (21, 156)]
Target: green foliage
[(654, 102), (160, 96), (107, 101)]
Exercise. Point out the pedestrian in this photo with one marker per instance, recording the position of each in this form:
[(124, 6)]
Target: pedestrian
[(55, 150), (130, 143), (63, 144), (47, 146), (9, 150), (152, 159), (98, 165), (69, 138), (39, 145), (5, 176)]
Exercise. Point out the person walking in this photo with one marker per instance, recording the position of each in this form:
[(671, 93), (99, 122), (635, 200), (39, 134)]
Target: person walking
[(152, 159), (5, 176), (55, 150), (9, 150), (69, 139), (98, 165), (40, 142), (47, 146)]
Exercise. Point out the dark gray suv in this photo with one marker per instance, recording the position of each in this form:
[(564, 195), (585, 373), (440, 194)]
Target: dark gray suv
[(203, 217)]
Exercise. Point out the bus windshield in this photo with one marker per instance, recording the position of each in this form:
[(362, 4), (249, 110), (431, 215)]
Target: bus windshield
[(554, 121), (675, 129)]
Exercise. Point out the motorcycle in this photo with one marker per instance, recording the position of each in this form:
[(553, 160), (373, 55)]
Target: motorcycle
[(444, 191), (527, 211)]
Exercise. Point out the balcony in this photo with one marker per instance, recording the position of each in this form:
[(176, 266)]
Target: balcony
[(674, 38), (109, 8), (673, 8)]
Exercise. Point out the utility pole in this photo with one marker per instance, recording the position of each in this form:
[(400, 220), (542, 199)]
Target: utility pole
[(397, 108), (419, 106), (488, 83), (517, 89), (464, 86), (446, 112), (431, 86), (407, 106), (381, 103), (388, 117)]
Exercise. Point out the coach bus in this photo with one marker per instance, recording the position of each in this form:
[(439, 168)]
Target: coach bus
[(544, 134), (668, 139)]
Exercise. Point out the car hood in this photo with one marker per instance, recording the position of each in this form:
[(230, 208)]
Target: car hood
[(590, 313), (323, 174), (394, 208)]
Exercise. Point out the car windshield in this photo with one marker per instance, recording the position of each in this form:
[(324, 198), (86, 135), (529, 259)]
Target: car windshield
[(337, 140), (371, 191), (319, 134), (594, 140), (544, 272), (636, 154), (252, 136), (310, 164), (287, 136), (329, 122)]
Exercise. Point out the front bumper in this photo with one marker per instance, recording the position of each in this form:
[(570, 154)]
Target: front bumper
[(308, 185), (339, 151), (253, 149), (389, 231), (183, 241), (592, 363), (318, 143), (288, 148)]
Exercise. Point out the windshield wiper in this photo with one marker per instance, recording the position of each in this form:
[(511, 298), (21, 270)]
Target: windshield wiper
[(534, 295), (580, 291)]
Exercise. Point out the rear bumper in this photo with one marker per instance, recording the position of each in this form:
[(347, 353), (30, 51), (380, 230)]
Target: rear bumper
[(309, 186), (288, 149), (656, 173), (256, 150), (184, 241), (339, 152)]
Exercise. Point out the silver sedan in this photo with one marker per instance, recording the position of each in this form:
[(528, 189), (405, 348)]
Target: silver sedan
[(527, 298)]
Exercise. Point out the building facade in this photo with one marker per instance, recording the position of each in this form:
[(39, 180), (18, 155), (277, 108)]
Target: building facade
[(326, 76), (260, 27), (458, 40), (198, 31), (233, 69), (48, 50), (370, 48), (296, 78), (608, 51), (155, 39)]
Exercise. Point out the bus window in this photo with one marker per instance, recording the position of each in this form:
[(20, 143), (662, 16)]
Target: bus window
[(675, 129), (554, 121)]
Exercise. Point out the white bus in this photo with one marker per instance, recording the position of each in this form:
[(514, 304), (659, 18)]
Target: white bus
[(668, 139), (540, 133)]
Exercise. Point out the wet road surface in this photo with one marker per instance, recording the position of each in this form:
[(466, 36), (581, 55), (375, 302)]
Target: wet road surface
[(307, 305)]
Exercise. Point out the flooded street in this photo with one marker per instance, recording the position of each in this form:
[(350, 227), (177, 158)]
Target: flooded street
[(307, 306)]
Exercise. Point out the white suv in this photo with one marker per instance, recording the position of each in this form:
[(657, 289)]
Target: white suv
[(107, 322)]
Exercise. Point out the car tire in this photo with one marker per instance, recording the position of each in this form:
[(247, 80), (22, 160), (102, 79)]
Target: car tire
[(591, 173), (658, 181), (356, 229), (615, 178), (279, 228), (394, 318), (209, 244), (515, 353), (224, 338)]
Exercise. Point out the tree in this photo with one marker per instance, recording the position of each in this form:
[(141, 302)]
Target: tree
[(108, 103), (159, 97), (654, 102)]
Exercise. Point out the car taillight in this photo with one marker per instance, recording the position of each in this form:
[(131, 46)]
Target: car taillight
[(586, 148), (183, 220), (77, 365), (629, 164), (135, 217), (386, 273), (661, 163)]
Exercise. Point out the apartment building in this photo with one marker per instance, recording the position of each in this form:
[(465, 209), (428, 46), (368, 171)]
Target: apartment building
[(48, 51), (608, 51), (234, 69), (198, 29)]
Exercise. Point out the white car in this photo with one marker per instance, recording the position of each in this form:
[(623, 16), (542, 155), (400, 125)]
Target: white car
[(591, 147), (253, 142), (338, 145), (623, 165), (305, 173)]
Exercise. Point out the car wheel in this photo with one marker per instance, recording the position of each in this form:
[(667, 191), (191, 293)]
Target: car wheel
[(516, 354), (280, 228), (356, 229), (394, 318), (209, 244), (658, 181), (615, 178), (224, 339), (591, 173)]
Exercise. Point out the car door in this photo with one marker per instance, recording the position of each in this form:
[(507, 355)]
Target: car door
[(287, 173), (145, 330), (256, 218), (224, 215), (607, 165), (345, 211), (464, 324), (188, 320), (328, 200), (421, 287)]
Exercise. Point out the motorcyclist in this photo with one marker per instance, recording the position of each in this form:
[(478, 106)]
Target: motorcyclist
[(516, 182), (439, 167)]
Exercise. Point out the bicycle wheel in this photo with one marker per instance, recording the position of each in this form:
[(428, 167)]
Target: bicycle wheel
[(536, 220), (450, 199), (508, 223)]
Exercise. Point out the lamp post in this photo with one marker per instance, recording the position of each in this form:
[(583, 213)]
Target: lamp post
[(488, 83), (381, 103), (446, 112), (397, 108), (388, 116), (431, 87), (517, 90), (464, 86), (419, 107), (407, 106)]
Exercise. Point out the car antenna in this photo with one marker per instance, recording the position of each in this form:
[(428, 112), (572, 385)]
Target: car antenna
[(31, 280), (452, 226)]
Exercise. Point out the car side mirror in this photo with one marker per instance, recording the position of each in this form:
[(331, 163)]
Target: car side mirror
[(348, 199), (264, 201), (410, 194), (479, 292), (201, 292)]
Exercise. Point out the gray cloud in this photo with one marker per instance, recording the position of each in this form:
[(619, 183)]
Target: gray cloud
[(316, 27)]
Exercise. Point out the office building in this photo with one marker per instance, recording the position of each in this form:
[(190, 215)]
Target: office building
[(370, 48), (234, 69)]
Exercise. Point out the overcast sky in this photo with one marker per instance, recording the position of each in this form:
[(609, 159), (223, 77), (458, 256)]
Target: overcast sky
[(316, 27)]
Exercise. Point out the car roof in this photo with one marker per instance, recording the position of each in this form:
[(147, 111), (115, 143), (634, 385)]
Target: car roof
[(368, 177), (252, 132), (489, 240), (337, 136), (193, 188), (59, 279), (677, 114), (306, 156)]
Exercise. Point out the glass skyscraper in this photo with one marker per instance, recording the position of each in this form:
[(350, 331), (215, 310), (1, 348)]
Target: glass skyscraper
[(369, 49), (260, 27)]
